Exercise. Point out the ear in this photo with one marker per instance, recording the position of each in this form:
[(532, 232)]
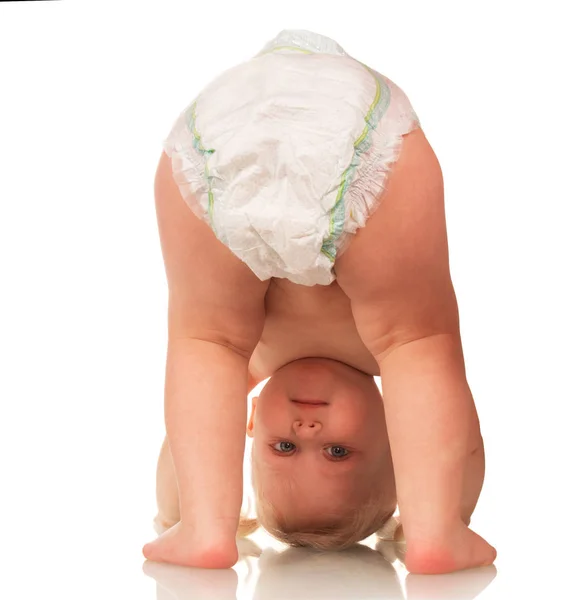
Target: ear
[(250, 426)]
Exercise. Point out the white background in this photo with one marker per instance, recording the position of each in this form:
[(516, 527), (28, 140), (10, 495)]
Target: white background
[(88, 91)]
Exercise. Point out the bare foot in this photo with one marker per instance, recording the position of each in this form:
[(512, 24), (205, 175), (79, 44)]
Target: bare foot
[(460, 549), (180, 545)]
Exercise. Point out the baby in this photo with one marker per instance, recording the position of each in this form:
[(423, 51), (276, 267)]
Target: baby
[(262, 198)]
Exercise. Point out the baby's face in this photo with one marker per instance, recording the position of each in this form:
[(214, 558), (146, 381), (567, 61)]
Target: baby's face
[(320, 439)]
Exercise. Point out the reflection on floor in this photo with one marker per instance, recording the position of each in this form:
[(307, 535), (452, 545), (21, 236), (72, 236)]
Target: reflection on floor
[(274, 572)]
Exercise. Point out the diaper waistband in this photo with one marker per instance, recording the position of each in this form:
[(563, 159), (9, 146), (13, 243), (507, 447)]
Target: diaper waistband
[(303, 40)]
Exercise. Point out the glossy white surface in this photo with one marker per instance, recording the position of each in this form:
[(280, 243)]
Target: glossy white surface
[(298, 573), (87, 94)]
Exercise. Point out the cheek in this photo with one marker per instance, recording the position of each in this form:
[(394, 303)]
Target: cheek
[(271, 417), (359, 419), (347, 421)]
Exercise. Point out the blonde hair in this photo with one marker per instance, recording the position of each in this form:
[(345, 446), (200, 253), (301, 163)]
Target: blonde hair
[(373, 516), (337, 536)]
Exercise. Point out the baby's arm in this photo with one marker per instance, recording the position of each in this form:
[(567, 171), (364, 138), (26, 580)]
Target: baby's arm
[(168, 513), (396, 274), (215, 319)]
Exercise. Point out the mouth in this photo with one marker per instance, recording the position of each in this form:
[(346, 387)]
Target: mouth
[(307, 402)]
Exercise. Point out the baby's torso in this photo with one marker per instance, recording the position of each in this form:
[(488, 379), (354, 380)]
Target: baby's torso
[(308, 321)]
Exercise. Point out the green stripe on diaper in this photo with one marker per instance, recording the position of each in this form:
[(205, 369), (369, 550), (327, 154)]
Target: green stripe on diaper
[(286, 48), (199, 147), (377, 109)]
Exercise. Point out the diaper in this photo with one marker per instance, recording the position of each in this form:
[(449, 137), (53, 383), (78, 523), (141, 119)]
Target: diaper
[(285, 155)]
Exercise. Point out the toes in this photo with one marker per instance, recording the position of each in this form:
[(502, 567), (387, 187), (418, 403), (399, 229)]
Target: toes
[(149, 551), (492, 557)]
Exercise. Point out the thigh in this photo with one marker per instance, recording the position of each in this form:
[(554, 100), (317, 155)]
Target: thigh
[(211, 291), (395, 270)]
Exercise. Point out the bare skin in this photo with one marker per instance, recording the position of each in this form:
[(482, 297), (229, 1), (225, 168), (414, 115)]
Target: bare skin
[(392, 313)]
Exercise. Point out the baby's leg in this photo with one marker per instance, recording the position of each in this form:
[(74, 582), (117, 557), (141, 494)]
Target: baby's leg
[(167, 493), (436, 446), (396, 274), (473, 481), (215, 319)]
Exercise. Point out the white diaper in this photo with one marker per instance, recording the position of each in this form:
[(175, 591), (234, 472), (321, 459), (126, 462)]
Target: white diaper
[(286, 154)]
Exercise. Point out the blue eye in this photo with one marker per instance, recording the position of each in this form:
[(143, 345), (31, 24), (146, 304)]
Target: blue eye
[(284, 447), (337, 452)]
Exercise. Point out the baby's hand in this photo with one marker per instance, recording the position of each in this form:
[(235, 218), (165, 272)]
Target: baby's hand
[(183, 545)]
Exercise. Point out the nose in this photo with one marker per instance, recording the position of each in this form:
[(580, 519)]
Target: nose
[(306, 428)]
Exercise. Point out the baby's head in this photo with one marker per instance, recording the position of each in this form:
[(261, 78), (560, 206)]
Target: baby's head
[(321, 461)]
